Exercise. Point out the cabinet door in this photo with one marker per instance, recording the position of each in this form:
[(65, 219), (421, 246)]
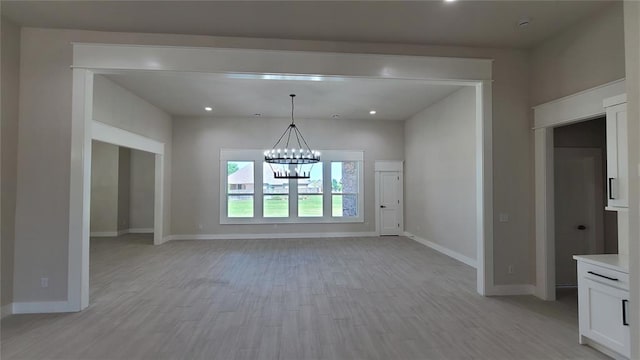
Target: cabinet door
[(604, 318), (617, 156)]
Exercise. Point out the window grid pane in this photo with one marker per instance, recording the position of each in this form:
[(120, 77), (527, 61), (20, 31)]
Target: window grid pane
[(240, 206), (275, 206), (310, 205), (240, 189)]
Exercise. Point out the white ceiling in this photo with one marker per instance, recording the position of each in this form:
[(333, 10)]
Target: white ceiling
[(186, 94), (471, 22)]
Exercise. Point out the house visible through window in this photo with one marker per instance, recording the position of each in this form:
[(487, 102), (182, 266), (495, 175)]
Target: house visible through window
[(240, 190)]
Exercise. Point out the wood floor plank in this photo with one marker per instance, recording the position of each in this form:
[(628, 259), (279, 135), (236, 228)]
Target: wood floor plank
[(299, 299)]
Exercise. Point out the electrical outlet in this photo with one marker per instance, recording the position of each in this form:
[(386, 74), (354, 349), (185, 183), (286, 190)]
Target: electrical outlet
[(510, 270), (199, 226), (44, 282), (504, 217)]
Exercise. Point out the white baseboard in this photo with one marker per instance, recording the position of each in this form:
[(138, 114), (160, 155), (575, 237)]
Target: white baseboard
[(140, 231), (6, 310), (456, 255), (121, 232), (509, 290), (103, 234), (39, 307), (603, 349), (268, 236)]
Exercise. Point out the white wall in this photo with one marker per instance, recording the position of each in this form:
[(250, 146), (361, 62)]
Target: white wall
[(586, 55), (104, 187), (45, 136), (440, 173), (10, 63), (141, 197), (196, 169), (44, 148)]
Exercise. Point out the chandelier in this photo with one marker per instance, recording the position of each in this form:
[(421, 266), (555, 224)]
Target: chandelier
[(285, 153)]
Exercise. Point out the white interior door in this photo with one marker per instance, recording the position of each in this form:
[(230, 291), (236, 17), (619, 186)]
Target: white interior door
[(579, 209), (389, 202)]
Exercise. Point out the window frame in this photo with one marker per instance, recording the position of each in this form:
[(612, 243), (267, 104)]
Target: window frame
[(256, 155)]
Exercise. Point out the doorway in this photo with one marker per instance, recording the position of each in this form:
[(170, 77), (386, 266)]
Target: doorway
[(91, 59), (583, 226), (574, 109), (122, 191)]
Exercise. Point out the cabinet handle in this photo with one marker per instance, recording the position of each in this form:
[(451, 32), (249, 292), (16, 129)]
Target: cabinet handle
[(611, 189), (602, 276), (624, 312)]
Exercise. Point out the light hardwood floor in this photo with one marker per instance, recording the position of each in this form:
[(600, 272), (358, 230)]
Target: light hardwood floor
[(352, 298)]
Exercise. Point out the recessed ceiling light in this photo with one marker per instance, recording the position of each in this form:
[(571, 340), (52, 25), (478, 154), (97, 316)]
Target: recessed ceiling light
[(208, 108), (449, 0), (372, 112)]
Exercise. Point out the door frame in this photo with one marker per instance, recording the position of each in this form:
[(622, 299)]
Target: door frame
[(96, 58), (389, 166), (582, 106)]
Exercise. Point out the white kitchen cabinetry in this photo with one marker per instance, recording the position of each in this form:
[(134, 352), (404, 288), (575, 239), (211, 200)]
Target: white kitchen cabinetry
[(603, 302), (617, 153)]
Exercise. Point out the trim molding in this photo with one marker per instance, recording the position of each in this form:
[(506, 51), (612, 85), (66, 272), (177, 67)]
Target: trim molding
[(39, 307), (113, 135), (453, 254), (6, 310), (268, 236), (104, 234), (514, 289), (122, 232), (576, 107), (140, 231)]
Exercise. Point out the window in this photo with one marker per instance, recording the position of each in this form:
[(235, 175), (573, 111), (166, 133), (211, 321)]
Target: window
[(345, 186), (310, 193), (332, 194), (275, 202), (240, 189)]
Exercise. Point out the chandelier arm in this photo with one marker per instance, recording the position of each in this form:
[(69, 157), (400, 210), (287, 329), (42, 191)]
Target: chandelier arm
[(288, 138), (281, 136), (303, 140), (298, 138)]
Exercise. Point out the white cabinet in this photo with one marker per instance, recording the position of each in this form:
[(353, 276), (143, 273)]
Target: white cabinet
[(603, 302), (617, 153)]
